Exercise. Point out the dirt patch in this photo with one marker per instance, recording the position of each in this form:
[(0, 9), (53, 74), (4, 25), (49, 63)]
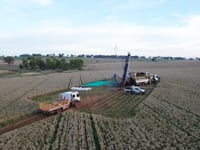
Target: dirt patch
[(22, 123), (89, 101), (98, 101)]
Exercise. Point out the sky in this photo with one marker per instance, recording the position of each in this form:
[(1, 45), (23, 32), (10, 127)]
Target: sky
[(105, 27)]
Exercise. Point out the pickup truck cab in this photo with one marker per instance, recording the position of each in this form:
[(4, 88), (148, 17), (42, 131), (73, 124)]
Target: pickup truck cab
[(134, 90)]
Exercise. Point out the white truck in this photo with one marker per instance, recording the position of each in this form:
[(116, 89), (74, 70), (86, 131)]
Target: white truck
[(134, 90), (155, 78), (64, 101)]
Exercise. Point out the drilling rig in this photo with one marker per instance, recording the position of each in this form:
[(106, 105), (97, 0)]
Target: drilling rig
[(127, 78), (136, 78)]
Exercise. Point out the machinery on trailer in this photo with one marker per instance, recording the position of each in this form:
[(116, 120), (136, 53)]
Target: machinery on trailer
[(65, 100), (136, 78)]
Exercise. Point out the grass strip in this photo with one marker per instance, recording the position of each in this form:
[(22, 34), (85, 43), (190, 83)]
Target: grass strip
[(53, 138), (95, 135), (86, 135)]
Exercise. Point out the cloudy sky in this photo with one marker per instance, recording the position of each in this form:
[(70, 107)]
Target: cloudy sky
[(143, 27)]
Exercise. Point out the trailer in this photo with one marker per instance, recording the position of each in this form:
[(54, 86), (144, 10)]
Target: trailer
[(65, 100)]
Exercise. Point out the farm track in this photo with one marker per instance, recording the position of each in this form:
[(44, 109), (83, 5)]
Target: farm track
[(27, 121), (24, 122)]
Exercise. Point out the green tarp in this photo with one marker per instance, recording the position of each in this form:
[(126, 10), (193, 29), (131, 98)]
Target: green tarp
[(98, 83)]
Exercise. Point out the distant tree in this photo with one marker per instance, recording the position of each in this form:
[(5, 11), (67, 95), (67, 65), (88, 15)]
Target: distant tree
[(32, 63), (135, 57), (72, 64), (51, 63), (24, 55), (142, 57), (37, 55), (48, 63), (76, 64), (21, 66), (154, 59), (61, 55), (9, 59), (64, 65), (25, 63), (30, 57), (63, 61), (58, 64), (79, 63), (40, 63)]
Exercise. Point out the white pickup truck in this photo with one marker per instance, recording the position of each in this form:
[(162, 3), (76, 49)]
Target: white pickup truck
[(134, 90)]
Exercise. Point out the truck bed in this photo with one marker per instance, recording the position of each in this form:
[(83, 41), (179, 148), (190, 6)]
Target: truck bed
[(50, 107), (139, 81)]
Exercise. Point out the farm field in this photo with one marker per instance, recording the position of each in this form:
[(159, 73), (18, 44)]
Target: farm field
[(167, 117)]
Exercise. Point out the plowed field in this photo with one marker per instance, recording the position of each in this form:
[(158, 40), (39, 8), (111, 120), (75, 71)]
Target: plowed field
[(166, 117)]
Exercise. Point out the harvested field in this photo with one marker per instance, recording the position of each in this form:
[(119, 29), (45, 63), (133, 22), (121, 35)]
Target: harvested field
[(168, 117)]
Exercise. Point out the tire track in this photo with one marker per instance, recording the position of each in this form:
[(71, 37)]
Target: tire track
[(24, 122)]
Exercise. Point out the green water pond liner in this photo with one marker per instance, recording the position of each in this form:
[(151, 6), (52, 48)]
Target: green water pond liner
[(98, 83)]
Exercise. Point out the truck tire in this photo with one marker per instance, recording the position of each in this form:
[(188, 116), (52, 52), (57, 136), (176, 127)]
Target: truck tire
[(59, 111), (73, 104)]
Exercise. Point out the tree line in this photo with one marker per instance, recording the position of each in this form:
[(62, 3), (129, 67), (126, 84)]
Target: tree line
[(51, 63)]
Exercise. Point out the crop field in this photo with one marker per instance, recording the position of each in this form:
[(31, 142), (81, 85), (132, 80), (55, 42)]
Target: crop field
[(166, 117), (111, 102)]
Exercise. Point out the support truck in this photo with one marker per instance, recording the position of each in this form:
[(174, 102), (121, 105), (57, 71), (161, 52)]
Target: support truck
[(65, 100)]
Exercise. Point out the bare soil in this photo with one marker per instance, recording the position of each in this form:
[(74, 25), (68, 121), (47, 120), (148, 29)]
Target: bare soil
[(22, 123)]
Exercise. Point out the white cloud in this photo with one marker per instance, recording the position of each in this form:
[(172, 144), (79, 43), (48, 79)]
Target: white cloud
[(29, 2), (101, 39), (178, 15), (139, 4), (163, 1), (43, 2)]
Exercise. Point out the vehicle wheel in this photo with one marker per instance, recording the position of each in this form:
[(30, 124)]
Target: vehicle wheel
[(59, 111), (73, 104)]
